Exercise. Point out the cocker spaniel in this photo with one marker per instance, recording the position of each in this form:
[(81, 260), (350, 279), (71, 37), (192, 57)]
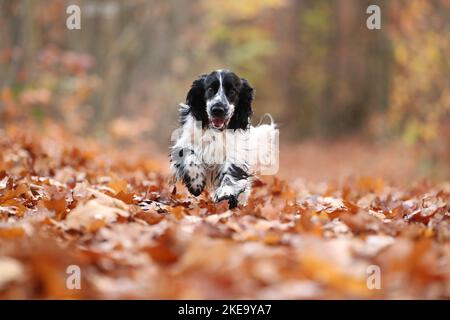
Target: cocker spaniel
[(215, 146)]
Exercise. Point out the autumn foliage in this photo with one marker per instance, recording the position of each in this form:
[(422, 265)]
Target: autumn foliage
[(70, 201), (85, 121)]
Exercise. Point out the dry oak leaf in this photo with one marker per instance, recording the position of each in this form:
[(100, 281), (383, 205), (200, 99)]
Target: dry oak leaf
[(215, 218), (10, 270), (8, 232), (96, 212)]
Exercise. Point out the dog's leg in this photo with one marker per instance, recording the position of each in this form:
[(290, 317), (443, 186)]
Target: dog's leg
[(233, 184), (188, 168)]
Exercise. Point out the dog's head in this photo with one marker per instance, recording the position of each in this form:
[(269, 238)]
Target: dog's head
[(221, 100)]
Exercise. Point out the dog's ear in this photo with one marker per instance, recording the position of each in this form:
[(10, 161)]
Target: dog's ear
[(195, 99), (243, 111)]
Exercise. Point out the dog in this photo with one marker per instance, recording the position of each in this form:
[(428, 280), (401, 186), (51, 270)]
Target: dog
[(215, 125)]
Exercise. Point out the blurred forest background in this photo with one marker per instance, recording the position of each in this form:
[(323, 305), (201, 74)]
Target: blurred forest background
[(328, 80)]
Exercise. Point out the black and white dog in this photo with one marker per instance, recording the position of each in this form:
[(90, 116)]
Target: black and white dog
[(202, 155)]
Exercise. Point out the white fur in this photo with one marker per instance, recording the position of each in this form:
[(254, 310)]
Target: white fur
[(220, 96)]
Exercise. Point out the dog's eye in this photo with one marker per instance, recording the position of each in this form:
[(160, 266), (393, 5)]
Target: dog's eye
[(210, 90), (232, 92)]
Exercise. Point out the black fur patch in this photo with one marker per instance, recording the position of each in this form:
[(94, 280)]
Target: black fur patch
[(196, 101), (237, 172), (243, 110)]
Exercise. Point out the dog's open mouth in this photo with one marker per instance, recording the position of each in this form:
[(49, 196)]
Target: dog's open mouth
[(218, 123)]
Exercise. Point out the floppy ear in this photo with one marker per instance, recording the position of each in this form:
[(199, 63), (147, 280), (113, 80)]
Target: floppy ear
[(195, 99), (243, 110)]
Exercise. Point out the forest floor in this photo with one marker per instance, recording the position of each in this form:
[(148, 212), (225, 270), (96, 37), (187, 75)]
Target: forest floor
[(343, 220)]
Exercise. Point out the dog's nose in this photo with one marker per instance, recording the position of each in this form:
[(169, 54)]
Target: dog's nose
[(218, 110)]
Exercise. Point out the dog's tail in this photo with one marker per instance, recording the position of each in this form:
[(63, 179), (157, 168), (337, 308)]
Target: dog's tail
[(271, 121), (264, 143)]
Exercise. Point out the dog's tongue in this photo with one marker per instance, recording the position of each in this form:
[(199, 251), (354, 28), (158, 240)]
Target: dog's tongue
[(218, 123)]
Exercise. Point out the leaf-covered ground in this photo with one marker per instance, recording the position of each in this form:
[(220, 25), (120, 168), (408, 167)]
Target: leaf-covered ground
[(69, 201)]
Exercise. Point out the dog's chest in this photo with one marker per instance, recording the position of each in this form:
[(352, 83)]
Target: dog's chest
[(218, 147)]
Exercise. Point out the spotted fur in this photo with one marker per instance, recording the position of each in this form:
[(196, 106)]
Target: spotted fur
[(219, 97)]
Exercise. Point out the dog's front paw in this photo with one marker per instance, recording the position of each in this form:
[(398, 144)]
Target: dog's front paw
[(226, 193), (194, 179), (194, 188)]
